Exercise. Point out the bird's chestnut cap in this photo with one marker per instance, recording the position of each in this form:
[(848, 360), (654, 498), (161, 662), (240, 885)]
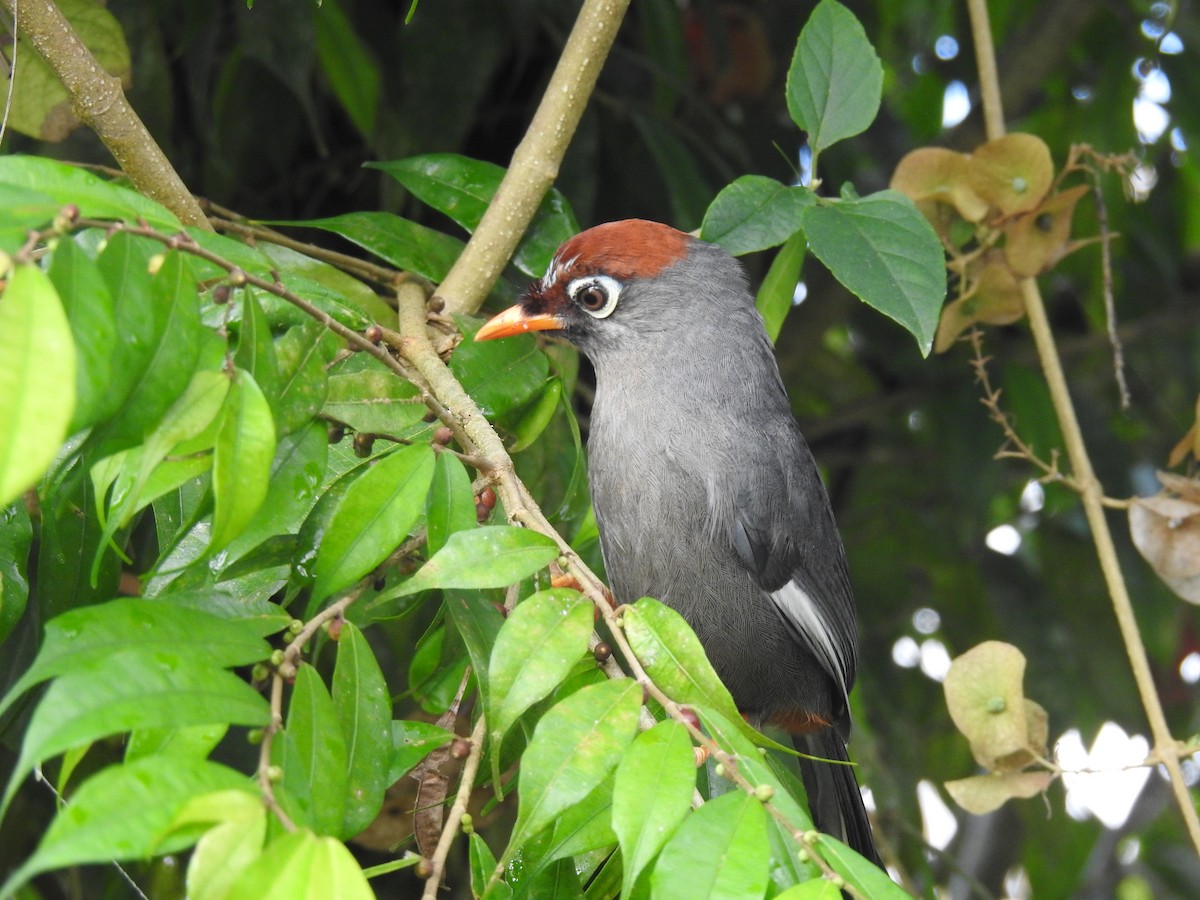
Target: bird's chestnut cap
[(624, 250)]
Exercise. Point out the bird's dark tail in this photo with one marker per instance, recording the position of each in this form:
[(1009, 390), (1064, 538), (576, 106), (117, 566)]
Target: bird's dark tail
[(833, 795)]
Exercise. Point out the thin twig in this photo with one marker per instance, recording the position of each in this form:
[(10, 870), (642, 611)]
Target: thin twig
[(381, 275), (266, 783), (466, 781)]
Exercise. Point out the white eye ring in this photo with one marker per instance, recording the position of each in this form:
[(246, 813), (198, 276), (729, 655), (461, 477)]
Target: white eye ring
[(596, 295)]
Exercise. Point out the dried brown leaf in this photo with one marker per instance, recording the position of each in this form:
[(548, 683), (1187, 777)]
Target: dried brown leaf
[(986, 700), (982, 794), (1012, 173), (1036, 241), (938, 174), (1166, 531)]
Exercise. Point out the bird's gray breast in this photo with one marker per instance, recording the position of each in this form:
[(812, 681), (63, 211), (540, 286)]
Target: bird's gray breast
[(665, 486)]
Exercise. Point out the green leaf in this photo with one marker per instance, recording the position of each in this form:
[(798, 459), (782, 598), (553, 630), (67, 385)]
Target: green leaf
[(95, 197), (196, 741), (450, 506), (720, 851), (499, 375), (886, 254), (483, 864), (574, 747), (138, 477), (675, 660), (535, 420), (136, 688), (871, 882), (302, 866), (324, 284), (437, 669), (673, 657), (233, 842), (542, 639), (754, 213), (37, 379), (24, 210), (485, 557), (160, 335), (302, 353), (91, 311), (814, 889), (478, 623), (584, 827), (363, 706), (411, 743), (651, 795), (463, 188), (256, 346), (407, 861), (296, 474), (835, 81), (312, 753), (371, 398), (241, 460), (255, 616), (404, 244), (68, 543), (349, 65), (251, 259), (16, 539), (777, 292), (86, 637), (731, 735), (123, 811), (377, 512)]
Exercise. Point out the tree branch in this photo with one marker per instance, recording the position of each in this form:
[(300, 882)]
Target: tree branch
[(1090, 490), (98, 99), (537, 158)]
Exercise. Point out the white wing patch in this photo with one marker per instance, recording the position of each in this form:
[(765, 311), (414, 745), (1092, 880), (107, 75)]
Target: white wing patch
[(799, 609)]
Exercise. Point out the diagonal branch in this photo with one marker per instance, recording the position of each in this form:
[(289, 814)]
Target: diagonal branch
[(98, 99), (537, 158)]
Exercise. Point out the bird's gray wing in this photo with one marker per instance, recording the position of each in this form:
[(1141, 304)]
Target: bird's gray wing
[(784, 533)]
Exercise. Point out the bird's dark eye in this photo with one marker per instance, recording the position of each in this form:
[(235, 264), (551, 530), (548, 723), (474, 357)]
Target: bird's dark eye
[(596, 295), (593, 298)]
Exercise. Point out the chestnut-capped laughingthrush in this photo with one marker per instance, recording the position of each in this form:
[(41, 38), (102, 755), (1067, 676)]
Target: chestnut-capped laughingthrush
[(705, 492)]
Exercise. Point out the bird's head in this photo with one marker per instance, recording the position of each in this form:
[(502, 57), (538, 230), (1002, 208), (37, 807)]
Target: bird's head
[(621, 284)]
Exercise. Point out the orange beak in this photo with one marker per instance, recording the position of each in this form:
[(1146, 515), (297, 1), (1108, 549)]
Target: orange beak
[(515, 320)]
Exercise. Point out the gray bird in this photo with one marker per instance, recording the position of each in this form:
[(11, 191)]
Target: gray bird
[(705, 492)]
